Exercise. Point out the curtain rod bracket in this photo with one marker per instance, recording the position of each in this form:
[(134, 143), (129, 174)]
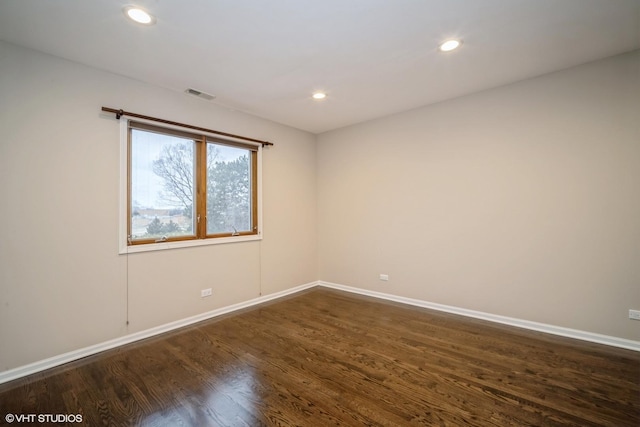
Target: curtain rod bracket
[(119, 114)]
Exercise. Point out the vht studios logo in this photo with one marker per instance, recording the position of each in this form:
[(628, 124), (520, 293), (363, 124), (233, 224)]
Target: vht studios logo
[(43, 418)]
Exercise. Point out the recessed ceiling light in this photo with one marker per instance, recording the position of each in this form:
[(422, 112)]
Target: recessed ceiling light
[(450, 45), (319, 95), (139, 15)]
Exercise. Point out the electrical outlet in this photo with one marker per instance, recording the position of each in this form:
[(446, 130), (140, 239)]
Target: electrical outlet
[(384, 277), (634, 314), (205, 293)]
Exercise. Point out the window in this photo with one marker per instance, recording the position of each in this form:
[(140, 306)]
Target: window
[(184, 188)]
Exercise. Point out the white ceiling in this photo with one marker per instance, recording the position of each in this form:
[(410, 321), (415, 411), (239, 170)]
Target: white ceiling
[(372, 57)]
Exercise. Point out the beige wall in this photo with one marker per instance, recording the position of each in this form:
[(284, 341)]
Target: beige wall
[(521, 201), (63, 285)]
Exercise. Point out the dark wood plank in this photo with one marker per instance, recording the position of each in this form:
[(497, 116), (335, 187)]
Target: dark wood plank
[(325, 357)]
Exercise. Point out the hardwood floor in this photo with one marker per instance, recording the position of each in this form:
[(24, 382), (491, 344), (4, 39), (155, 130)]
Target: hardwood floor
[(324, 357)]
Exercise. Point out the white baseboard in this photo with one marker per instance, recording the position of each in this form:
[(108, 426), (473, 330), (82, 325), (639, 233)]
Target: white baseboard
[(519, 323), (61, 359)]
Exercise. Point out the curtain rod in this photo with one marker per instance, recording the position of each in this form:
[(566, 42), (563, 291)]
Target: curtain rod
[(120, 113)]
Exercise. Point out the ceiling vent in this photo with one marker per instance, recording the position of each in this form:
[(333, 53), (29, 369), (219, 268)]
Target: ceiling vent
[(200, 94)]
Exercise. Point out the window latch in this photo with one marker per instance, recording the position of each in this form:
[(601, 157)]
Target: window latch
[(235, 231), (198, 218), (162, 239)]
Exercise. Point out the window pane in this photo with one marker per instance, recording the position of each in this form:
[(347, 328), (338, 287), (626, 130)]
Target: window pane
[(162, 185), (228, 189)]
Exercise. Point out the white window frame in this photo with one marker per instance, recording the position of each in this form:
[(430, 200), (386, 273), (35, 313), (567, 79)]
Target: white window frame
[(124, 247)]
